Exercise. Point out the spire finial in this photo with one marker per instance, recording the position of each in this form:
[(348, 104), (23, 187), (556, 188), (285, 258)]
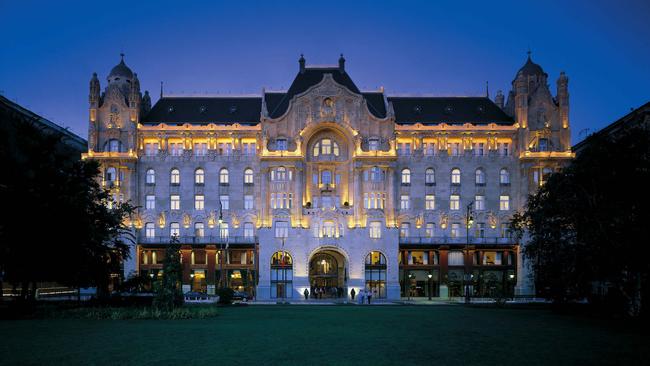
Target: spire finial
[(161, 90), (528, 53), (487, 89), (301, 62), (122, 56)]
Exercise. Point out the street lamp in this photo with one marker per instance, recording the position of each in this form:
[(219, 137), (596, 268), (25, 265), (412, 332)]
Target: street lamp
[(409, 285), (469, 220), (220, 246), (430, 288), (284, 274)]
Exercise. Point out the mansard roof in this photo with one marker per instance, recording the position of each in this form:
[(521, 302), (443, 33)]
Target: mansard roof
[(204, 110), (449, 110)]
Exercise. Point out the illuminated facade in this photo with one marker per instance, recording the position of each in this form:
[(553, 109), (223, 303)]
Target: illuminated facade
[(327, 187)]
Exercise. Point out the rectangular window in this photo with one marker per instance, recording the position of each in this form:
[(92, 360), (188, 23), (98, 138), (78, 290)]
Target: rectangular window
[(223, 230), (404, 230), (174, 229), (454, 202), (375, 230), (248, 202), (199, 202), (200, 149), (199, 230), (454, 148), (225, 148), (480, 230), (249, 230), (151, 149), (455, 258), (418, 257), (430, 230), (281, 144), (479, 149), (175, 148), (504, 203), (492, 258), (455, 230), (504, 231), (404, 149), (151, 202), (150, 230), (175, 202), (430, 202), (479, 203), (504, 149), (405, 202), (225, 202), (429, 148), (373, 144), (281, 229)]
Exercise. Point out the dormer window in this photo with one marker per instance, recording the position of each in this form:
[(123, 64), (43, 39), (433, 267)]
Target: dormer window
[(373, 144)]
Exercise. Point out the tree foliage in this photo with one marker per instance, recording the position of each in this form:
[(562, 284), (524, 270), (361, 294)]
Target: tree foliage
[(586, 226), (169, 294), (56, 226)]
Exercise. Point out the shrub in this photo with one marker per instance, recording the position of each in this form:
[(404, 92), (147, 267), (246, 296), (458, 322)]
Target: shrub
[(225, 295)]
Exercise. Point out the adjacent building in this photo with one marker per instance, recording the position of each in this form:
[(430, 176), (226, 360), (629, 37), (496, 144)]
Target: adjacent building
[(325, 186)]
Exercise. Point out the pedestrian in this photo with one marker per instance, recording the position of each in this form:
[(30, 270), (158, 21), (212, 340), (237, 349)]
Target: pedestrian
[(362, 296), (306, 293), (369, 296), (352, 293)]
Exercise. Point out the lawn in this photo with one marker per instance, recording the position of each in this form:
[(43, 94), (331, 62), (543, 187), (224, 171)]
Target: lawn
[(328, 335)]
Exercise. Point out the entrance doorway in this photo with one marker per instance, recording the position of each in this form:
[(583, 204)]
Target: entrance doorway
[(327, 275)]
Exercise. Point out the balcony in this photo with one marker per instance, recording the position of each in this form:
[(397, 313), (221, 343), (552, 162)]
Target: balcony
[(417, 240), (200, 240)]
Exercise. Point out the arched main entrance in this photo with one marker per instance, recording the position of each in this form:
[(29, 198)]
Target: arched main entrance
[(327, 274)]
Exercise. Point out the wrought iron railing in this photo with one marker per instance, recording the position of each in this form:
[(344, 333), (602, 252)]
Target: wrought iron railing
[(450, 240), (199, 240)]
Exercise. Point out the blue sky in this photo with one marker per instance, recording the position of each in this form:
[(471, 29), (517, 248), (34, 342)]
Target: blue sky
[(51, 49)]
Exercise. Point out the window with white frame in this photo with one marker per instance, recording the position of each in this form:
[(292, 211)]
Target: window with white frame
[(404, 229), (114, 145), (151, 149), (430, 177), (225, 201), (175, 202), (504, 177), (504, 203), (479, 202), (454, 148), (281, 229), (248, 176), (279, 174), (150, 203), (174, 229), (225, 148), (429, 202), (479, 177), (249, 202), (504, 149), (429, 148), (404, 202), (430, 230), (454, 202), (200, 149), (403, 148), (199, 176), (223, 176), (199, 202), (175, 148), (329, 230), (175, 177), (373, 144), (455, 176), (406, 177), (150, 230), (249, 230), (248, 148), (151, 177), (375, 230), (223, 230), (199, 229), (479, 149), (281, 200)]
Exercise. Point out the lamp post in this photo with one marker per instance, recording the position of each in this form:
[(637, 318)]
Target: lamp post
[(284, 273), (410, 276), (430, 288), (468, 222), (220, 246)]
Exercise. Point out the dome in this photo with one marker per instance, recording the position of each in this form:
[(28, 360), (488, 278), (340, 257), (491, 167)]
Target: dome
[(531, 68), (121, 70)]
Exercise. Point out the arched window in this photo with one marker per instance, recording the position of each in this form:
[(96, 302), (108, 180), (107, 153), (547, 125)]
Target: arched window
[(175, 176), (455, 176), (248, 176), (114, 145), (151, 176), (406, 177), (281, 275), (326, 147), (279, 174), (223, 176), (376, 274), (430, 177), (504, 176), (326, 177), (480, 177), (335, 148), (199, 176)]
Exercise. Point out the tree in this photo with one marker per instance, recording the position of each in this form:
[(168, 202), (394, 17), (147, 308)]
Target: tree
[(586, 225), (56, 224), (169, 294)]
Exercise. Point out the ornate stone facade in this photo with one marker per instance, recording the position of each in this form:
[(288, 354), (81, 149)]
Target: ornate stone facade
[(328, 188)]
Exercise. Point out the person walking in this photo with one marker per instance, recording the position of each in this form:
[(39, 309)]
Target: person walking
[(352, 293), (369, 296), (306, 293), (362, 296)]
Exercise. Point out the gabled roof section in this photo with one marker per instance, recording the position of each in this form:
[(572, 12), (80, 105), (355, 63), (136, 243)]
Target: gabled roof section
[(449, 110), (278, 103), (204, 110)]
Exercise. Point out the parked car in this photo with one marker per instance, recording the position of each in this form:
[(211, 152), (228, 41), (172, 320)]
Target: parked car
[(241, 296)]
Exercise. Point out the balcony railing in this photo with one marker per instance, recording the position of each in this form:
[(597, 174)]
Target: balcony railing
[(199, 240), (458, 240)]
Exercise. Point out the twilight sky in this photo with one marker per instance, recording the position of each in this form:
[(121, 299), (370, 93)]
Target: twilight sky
[(51, 48)]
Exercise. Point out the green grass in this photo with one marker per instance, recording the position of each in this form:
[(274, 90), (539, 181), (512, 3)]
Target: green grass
[(329, 335)]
